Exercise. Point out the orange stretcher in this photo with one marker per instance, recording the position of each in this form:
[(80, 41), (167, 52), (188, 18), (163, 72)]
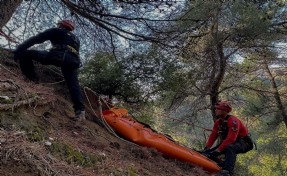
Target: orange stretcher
[(134, 131)]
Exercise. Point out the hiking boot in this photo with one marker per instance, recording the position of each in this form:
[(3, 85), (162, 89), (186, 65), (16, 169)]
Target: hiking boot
[(80, 116), (223, 173)]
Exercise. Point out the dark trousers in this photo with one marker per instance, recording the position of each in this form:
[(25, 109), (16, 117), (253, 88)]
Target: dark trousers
[(71, 77), (241, 145), (68, 63)]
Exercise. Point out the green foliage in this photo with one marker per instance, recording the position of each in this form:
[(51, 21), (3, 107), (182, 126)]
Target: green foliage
[(270, 158), (103, 74), (220, 34), (248, 20), (243, 170), (255, 104), (73, 156), (23, 121), (36, 135), (6, 101), (199, 10), (132, 171), (134, 78), (144, 117)]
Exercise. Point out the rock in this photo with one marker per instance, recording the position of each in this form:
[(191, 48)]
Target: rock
[(48, 143), (2, 140)]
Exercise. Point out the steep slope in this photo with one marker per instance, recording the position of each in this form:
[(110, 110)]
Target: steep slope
[(38, 137)]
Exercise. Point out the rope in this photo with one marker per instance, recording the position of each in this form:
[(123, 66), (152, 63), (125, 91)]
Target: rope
[(108, 127), (188, 123)]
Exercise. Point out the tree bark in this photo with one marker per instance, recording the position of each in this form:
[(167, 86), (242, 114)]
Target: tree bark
[(7, 9), (276, 94), (219, 68)]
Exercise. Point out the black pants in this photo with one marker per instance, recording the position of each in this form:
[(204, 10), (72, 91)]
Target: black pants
[(69, 65), (241, 145)]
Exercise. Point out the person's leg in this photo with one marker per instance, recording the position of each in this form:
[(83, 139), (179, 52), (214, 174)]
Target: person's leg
[(230, 158), (231, 153), (71, 78), (26, 58)]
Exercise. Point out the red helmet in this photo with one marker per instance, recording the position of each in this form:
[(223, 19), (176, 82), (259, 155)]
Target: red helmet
[(223, 105), (70, 25)]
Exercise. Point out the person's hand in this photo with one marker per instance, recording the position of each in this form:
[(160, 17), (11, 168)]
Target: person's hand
[(214, 154), (206, 151), (206, 148)]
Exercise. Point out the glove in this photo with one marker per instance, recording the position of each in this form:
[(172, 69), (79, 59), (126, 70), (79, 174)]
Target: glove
[(206, 151), (214, 154)]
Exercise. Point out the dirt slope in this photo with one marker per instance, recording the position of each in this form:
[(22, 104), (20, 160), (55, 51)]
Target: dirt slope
[(38, 137)]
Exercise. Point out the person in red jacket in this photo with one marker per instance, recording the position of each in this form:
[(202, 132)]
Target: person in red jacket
[(233, 134)]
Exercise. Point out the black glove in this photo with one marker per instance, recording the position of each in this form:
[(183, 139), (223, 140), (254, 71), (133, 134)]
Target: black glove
[(206, 151), (214, 154)]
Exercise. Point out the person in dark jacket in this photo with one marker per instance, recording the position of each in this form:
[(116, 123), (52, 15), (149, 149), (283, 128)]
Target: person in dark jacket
[(233, 134), (64, 53)]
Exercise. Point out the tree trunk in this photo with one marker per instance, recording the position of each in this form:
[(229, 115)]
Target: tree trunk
[(214, 91), (219, 68), (7, 9), (276, 94)]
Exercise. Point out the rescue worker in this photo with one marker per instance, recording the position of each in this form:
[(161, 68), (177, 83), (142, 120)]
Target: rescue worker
[(64, 53), (234, 135)]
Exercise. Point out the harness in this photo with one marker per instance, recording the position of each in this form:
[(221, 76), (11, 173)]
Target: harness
[(223, 132), (68, 48), (223, 128)]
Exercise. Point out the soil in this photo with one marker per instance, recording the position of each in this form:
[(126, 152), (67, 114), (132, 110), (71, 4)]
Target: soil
[(51, 143)]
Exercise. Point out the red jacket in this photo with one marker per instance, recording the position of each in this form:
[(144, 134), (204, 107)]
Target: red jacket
[(236, 130)]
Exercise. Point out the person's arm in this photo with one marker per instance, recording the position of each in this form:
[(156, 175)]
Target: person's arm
[(233, 130), (214, 135), (40, 38)]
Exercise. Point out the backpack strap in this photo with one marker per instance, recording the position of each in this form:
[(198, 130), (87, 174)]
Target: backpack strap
[(226, 119), (223, 128)]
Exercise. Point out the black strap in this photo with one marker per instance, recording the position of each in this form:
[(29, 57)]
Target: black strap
[(66, 48), (252, 141), (224, 128)]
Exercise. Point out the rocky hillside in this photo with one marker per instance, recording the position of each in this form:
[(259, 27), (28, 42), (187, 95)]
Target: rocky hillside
[(38, 137)]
